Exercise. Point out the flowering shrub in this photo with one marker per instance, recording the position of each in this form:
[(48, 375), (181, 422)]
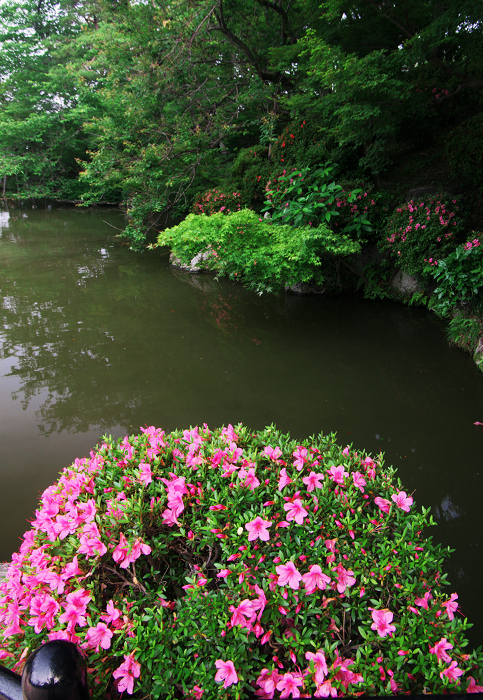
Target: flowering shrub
[(305, 198), (421, 231), (245, 247), (232, 564), (459, 277), (213, 201)]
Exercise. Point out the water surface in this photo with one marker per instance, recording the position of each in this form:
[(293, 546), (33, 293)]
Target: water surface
[(96, 339)]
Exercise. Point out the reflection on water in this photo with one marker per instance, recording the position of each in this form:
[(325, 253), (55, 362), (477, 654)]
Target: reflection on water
[(96, 339)]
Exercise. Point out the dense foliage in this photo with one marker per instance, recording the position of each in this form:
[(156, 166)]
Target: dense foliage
[(151, 104), (233, 564), (266, 257)]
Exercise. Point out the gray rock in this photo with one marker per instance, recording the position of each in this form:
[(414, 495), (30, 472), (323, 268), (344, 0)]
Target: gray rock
[(431, 190), (405, 284), (196, 264), (304, 288)]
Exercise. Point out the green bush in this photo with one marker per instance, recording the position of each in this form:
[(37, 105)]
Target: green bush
[(249, 174), (422, 231), (242, 246), (219, 564), (459, 277), (305, 197)]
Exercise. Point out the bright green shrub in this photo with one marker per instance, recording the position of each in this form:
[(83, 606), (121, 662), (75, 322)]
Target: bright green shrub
[(186, 562), (420, 231), (245, 247)]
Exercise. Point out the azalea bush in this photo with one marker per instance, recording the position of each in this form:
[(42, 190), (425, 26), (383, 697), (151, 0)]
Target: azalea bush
[(232, 564), (422, 231), (247, 248), (305, 197), (215, 200)]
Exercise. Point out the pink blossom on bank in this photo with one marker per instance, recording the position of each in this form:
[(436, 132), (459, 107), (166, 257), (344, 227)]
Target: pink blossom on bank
[(345, 578), (359, 481), (402, 500), (295, 511), (383, 504), (320, 665), (100, 635), (257, 528), (424, 601), (452, 672), (251, 480), (289, 684), (382, 620), (127, 672), (288, 575), (315, 578), (473, 688), (312, 481), (226, 673), (325, 690), (145, 474), (272, 453), (440, 650), (451, 605), (300, 455), (338, 474), (284, 479)]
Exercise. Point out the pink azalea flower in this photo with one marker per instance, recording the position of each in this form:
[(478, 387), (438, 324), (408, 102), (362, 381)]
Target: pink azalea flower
[(325, 690), (440, 650), (127, 672), (246, 610), (288, 575), (424, 601), (257, 528), (383, 504), (295, 511), (112, 614), (402, 500), (100, 635), (312, 481), (251, 480), (145, 475), (451, 605), (290, 684), (338, 474), (284, 479), (268, 681), (320, 665), (473, 688), (300, 455), (226, 673), (452, 672), (272, 453), (382, 620), (315, 578), (359, 481), (345, 578)]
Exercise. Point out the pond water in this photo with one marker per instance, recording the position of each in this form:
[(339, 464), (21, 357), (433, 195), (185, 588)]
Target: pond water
[(96, 339)]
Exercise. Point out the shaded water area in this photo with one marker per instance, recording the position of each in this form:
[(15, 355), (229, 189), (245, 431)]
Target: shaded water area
[(97, 339)]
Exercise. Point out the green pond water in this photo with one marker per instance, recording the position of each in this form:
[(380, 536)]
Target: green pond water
[(97, 339)]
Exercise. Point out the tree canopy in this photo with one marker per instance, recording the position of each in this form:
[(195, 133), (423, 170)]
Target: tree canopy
[(151, 103)]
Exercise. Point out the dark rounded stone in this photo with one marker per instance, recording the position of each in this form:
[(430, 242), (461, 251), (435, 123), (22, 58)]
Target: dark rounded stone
[(55, 671)]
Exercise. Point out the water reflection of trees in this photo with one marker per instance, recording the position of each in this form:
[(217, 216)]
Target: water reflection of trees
[(60, 327)]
